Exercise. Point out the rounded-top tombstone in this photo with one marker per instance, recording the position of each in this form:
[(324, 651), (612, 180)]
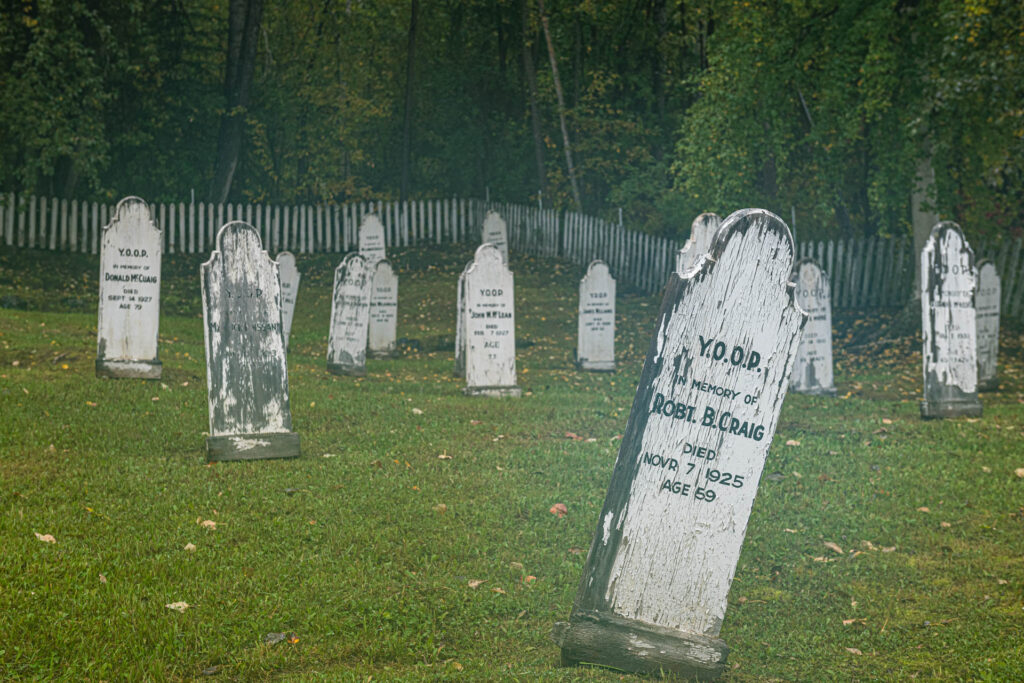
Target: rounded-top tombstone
[(129, 305), (654, 587), (383, 325), (986, 298), (350, 316), (371, 239), (490, 326), (949, 349), (290, 278), (246, 368), (812, 372), (595, 332), (495, 231), (702, 232)]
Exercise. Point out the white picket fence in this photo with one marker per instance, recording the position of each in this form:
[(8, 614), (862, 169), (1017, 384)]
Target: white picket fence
[(864, 273)]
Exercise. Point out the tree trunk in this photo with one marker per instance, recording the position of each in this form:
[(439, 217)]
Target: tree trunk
[(561, 107), (531, 82), (244, 18), (409, 103)]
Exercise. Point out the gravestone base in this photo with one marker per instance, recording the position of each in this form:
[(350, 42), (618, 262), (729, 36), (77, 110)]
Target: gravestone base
[(393, 353), (620, 643), (493, 392), (252, 446), (988, 384), (129, 369), (817, 391), (965, 407), (347, 370), (596, 365)]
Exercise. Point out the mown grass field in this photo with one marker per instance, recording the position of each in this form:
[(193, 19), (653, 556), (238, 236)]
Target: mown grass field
[(365, 550)]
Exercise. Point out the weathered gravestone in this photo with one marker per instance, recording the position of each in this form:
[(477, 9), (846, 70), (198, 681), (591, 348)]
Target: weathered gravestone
[(495, 232), (371, 239), (290, 277), (812, 372), (490, 326), (350, 316), (246, 369), (460, 323), (702, 231), (986, 299), (383, 312), (950, 355), (653, 592), (595, 346), (129, 307)]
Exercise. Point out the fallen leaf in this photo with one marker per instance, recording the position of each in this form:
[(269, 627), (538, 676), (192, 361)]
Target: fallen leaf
[(886, 421), (985, 469), (444, 456), (330, 455), (530, 578), (516, 566), (798, 475), (834, 547), (45, 538), (496, 589), (190, 547), (209, 524), (559, 509), (417, 411), (178, 606), (792, 442), (575, 551), (923, 509), (275, 638), (441, 508), (293, 639), (791, 531), (854, 651), (945, 525), (91, 404), (1002, 582), (457, 666), (847, 622), (890, 549), (475, 422), (103, 579), (1019, 472), (475, 583), (574, 437), (825, 559)]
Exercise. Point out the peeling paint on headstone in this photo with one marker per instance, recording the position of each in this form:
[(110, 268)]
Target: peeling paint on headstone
[(350, 317), (812, 372), (702, 232), (290, 278), (490, 326), (987, 297), (383, 312), (460, 323), (595, 332), (129, 299)]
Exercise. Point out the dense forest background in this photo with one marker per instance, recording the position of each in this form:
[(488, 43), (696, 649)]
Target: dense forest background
[(835, 110)]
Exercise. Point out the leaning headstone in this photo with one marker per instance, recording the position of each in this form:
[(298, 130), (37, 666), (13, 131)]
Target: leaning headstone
[(495, 232), (371, 239), (986, 300), (246, 369), (812, 372), (950, 352), (129, 308), (653, 592), (290, 277), (383, 312), (702, 231), (460, 324), (350, 316), (490, 326), (595, 346)]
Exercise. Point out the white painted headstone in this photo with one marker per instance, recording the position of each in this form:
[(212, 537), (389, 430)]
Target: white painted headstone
[(460, 323), (350, 316), (950, 352), (495, 232), (490, 326), (812, 372), (290, 277), (371, 239), (653, 592), (702, 231), (246, 369), (986, 299), (383, 312), (129, 307), (595, 346)]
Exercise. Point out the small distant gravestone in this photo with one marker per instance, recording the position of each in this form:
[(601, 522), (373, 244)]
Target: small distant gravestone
[(595, 347), (950, 351), (986, 299), (290, 277), (129, 307), (653, 592), (383, 312), (246, 369), (460, 323), (490, 326), (812, 372), (495, 232), (702, 231), (371, 239), (350, 316)]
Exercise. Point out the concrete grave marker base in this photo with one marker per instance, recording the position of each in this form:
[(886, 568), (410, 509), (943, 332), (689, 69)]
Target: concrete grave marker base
[(135, 369), (955, 407), (621, 643), (493, 392), (346, 369), (595, 365), (252, 446)]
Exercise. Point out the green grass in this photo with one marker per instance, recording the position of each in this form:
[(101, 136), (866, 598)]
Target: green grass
[(355, 555)]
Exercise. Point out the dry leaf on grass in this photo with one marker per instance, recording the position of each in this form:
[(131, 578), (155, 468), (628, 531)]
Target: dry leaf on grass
[(923, 509), (834, 547), (559, 509), (854, 651), (190, 547), (444, 456), (208, 524), (417, 411), (496, 589), (1019, 472), (103, 579), (792, 442), (476, 583), (178, 606), (847, 622), (441, 508), (45, 538)]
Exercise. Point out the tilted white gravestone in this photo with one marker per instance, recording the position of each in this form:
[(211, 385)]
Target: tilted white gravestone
[(290, 277), (383, 312), (702, 231), (595, 346), (490, 326), (653, 592), (986, 299), (246, 369), (460, 323), (129, 307), (495, 232), (812, 372), (950, 352), (371, 239), (350, 316)]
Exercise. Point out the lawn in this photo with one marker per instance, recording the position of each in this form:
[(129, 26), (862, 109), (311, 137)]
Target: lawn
[(413, 540)]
